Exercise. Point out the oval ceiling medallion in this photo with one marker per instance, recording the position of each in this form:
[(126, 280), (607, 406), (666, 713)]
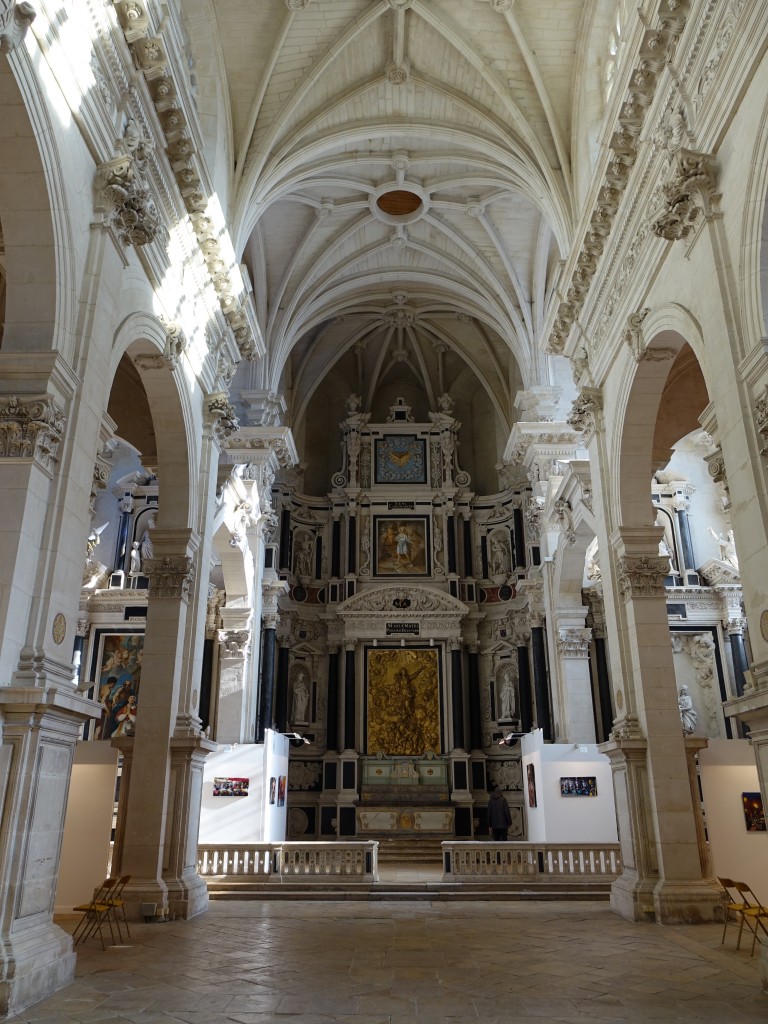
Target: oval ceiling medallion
[(399, 202)]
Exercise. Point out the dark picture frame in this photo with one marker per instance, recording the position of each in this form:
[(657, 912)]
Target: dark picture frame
[(578, 785), (754, 812)]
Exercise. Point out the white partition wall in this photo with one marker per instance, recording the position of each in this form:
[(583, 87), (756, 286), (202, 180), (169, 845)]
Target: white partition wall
[(567, 819), (728, 770), (255, 816)]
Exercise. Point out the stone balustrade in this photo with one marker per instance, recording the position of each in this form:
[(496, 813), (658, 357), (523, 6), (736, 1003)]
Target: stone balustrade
[(322, 861), (471, 861)]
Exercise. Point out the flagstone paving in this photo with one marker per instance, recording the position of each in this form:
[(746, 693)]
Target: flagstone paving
[(397, 962)]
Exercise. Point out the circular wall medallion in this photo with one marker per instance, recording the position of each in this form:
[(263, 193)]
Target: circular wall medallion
[(619, 699), (59, 628), (764, 626)]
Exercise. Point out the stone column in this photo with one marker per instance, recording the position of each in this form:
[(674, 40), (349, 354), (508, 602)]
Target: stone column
[(234, 652), (577, 710), (600, 666), (270, 617), (540, 678), (680, 505), (281, 688), (350, 685), (524, 682), (475, 712), (457, 695), (662, 863), (332, 735)]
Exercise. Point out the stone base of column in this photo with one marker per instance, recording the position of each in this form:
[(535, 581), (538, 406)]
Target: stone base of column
[(141, 893), (632, 898), (187, 897), (35, 962), (687, 903)]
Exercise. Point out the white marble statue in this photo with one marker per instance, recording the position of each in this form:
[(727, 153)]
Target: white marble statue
[(688, 714), (507, 698), (300, 701), (135, 560)]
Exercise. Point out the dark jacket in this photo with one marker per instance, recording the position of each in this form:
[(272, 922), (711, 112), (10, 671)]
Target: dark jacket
[(499, 814)]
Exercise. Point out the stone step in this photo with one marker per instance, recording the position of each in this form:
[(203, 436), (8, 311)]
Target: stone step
[(424, 891)]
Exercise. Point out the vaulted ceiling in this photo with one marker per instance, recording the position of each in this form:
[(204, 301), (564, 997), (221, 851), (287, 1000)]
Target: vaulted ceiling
[(402, 189)]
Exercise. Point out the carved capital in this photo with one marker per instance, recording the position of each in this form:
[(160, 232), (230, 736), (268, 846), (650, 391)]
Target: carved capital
[(169, 576), (573, 643), (234, 643), (643, 576), (129, 205), (31, 427), (175, 343), (15, 19), (688, 196)]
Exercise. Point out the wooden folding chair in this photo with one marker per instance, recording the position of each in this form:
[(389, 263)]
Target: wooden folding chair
[(94, 913), (753, 914), (733, 904), (116, 901)]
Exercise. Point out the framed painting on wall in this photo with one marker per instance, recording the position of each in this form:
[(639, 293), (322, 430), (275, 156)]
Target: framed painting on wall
[(579, 785), (401, 546), (754, 814), (116, 670)]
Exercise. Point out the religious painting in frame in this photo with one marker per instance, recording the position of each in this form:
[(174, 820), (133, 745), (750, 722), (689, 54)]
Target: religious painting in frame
[(400, 459), (401, 546), (403, 701), (116, 670), (578, 785), (754, 813)]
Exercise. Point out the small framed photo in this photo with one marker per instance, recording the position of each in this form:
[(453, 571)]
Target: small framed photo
[(531, 774), (401, 546), (281, 786), (230, 787), (578, 785), (754, 814)]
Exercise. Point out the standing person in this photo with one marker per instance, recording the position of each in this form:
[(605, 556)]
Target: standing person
[(499, 815)]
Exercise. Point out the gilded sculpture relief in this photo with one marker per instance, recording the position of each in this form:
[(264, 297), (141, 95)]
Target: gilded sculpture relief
[(403, 702)]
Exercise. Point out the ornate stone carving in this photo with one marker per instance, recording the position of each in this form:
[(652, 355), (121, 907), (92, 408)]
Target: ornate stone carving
[(31, 427), (502, 6), (532, 515), (297, 5), (564, 515), (722, 41), (586, 414), (761, 419), (149, 361), (15, 19), (234, 643), (175, 344), (642, 576), (402, 599), (304, 775), (627, 727), (169, 576), (573, 643), (398, 71), (133, 19), (220, 416), (130, 205), (688, 196)]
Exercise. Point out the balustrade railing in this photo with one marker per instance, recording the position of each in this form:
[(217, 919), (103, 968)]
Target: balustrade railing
[(467, 861), (290, 861)]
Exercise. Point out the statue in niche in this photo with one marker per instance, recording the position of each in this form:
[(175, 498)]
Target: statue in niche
[(727, 547), (506, 695), (304, 556), (300, 700), (135, 560), (499, 556), (688, 714), (146, 546)]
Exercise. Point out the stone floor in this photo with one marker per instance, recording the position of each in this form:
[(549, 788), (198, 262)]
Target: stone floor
[(396, 962)]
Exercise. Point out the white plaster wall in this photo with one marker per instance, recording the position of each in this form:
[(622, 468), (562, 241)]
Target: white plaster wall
[(251, 818), (727, 770), (87, 824), (559, 819)]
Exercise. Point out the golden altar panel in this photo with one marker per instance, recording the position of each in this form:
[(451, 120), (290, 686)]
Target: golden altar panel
[(403, 701)]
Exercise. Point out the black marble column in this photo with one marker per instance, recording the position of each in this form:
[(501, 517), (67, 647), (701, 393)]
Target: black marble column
[(519, 538), (285, 539), (266, 683), (475, 712), (352, 544), (349, 700), (467, 537), (332, 710), (540, 681), (281, 689), (451, 532), (206, 680), (740, 664), (524, 684), (686, 541), (336, 549), (603, 688), (457, 700)]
